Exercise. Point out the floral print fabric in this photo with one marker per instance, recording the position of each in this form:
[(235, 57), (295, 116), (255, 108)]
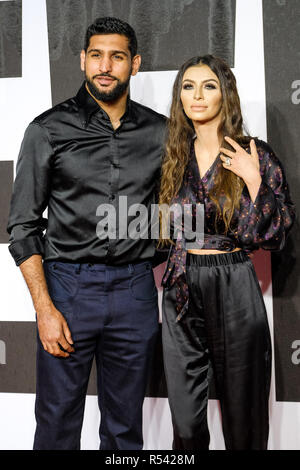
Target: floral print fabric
[(262, 224)]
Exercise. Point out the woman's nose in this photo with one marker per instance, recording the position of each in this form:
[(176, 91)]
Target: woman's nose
[(198, 95)]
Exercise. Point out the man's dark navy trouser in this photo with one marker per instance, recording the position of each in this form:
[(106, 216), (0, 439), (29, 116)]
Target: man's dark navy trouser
[(112, 313)]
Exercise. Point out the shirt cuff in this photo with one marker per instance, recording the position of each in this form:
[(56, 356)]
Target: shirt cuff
[(23, 249)]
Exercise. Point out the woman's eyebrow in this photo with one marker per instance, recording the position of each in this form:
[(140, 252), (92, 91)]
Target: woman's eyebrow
[(203, 81)]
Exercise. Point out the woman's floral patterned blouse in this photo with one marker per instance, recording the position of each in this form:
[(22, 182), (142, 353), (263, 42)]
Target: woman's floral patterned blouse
[(262, 224)]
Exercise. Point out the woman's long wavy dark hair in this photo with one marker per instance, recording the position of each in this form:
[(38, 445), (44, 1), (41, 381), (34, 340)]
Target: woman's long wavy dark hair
[(181, 132)]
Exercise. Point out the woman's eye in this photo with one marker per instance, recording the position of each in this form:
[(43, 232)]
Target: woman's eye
[(187, 86), (210, 86)]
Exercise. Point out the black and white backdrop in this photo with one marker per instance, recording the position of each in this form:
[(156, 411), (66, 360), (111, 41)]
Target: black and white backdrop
[(40, 41)]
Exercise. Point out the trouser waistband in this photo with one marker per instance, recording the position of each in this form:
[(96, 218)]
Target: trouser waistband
[(216, 259), (134, 267)]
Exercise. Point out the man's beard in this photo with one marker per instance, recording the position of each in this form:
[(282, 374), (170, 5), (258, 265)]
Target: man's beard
[(108, 96)]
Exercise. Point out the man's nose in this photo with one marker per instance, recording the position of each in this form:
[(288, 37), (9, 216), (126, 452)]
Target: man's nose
[(105, 64)]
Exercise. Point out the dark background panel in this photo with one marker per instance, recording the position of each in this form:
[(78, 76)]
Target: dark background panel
[(6, 184), (11, 39), (169, 32), (282, 69), (17, 375)]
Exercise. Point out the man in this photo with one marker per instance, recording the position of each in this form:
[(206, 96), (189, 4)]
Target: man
[(94, 295)]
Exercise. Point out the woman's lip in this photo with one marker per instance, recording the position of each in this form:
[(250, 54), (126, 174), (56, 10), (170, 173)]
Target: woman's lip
[(198, 108)]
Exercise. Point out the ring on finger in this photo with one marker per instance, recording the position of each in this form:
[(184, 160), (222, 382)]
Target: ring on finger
[(227, 161)]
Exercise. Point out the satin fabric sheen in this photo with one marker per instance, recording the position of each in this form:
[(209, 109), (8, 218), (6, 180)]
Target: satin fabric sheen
[(72, 160), (225, 333), (264, 223)]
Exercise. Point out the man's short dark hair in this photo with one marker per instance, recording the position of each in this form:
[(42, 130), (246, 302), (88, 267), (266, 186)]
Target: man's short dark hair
[(111, 25)]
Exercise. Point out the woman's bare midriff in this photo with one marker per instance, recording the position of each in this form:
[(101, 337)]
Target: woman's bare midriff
[(210, 252)]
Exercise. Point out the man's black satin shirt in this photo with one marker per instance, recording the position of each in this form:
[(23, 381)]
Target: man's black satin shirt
[(72, 161)]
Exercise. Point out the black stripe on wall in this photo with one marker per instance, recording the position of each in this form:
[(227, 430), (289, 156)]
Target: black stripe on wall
[(6, 184), (11, 39), (282, 71), (169, 32)]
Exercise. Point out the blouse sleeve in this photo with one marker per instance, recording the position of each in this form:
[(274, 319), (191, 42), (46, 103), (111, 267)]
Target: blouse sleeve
[(271, 216)]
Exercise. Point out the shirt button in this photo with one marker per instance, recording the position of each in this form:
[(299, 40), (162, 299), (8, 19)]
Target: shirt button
[(112, 197)]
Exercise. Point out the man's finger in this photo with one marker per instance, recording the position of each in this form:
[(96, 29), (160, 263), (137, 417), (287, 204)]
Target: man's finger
[(48, 347), (65, 345), (67, 333), (53, 349), (58, 352)]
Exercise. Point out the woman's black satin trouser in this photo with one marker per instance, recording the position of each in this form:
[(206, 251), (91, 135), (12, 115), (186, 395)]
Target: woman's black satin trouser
[(225, 332)]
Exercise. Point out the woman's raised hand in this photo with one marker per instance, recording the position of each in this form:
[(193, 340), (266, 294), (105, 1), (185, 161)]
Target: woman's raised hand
[(240, 162)]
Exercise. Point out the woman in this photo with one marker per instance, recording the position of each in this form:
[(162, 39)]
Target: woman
[(214, 318)]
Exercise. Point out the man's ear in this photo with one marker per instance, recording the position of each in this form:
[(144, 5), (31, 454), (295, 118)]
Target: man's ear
[(136, 63), (82, 60)]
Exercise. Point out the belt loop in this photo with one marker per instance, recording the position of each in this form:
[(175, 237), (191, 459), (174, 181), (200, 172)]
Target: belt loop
[(130, 268), (78, 269)]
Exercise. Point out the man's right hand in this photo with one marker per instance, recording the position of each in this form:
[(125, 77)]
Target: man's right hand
[(53, 329), (54, 332)]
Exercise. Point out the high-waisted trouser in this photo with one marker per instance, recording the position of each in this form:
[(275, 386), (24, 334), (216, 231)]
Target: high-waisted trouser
[(225, 333)]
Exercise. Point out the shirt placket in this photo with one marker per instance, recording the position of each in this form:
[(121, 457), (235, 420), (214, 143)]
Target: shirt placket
[(113, 190)]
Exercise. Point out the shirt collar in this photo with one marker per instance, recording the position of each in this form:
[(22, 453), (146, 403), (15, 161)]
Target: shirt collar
[(88, 106)]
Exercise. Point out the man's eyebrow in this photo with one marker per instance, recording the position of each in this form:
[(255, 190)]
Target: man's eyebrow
[(112, 52), (204, 81)]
